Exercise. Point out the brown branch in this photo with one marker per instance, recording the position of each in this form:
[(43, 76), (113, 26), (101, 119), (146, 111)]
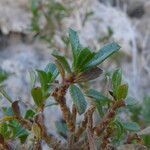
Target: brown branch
[(49, 139), (105, 138), (37, 145), (84, 122), (108, 117), (74, 114), (132, 137), (71, 138), (59, 95), (67, 114), (3, 144), (90, 136), (25, 123)]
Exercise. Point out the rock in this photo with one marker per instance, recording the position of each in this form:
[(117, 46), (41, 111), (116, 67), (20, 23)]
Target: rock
[(143, 44), (135, 8), (18, 59), (147, 8), (137, 11), (96, 26), (143, 24), (14, 16)]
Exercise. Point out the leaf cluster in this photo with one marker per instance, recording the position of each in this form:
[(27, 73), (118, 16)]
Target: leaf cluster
[(53, 82)]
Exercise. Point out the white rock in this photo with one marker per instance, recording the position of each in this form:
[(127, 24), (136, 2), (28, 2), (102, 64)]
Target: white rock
[(97, 25), (14, 16), (18, 59)]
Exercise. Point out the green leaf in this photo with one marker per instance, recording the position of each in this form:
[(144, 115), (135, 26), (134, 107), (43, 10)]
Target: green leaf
[(23, 137), (120, 129), (7, 111), (75, 43), (78, 99), (34, 5), (20, 133), (131, 126), (52, 69), (3, 92), (32, 78), (29, 114), (103, 54), (62, 60), (97, 96), (58, 6), (84, 57), (17, 131), (88, 75), (46, 77), (3, 75), (122, 92), (99, 99), (37, 96), (60, 69), (61, 128), (43, 79), (146, 140), (145, 112), (5, 131), (116, 80)]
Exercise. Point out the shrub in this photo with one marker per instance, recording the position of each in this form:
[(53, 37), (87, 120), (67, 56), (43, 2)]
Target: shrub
[(106, 131)]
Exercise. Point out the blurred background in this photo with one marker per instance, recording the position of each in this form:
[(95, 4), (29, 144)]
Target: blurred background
[(31, 30)]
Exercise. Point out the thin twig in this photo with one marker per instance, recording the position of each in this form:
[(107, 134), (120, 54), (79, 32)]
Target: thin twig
[(132, 137), (105, 138), (98, 130), (59, 96), (90, 136), (84, 122)]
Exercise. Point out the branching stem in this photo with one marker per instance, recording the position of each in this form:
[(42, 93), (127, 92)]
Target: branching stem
[(98, 130)]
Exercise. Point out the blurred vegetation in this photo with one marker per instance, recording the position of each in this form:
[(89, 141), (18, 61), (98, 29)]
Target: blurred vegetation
[(141, 113), (49, 14), (3, 75)]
